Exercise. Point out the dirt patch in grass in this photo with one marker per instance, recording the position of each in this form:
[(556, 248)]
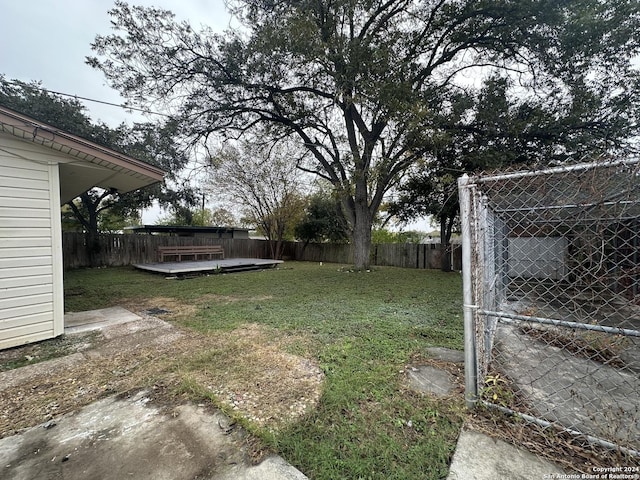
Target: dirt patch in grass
[(249, 372), (229, 299), (172, 307), (244, 369)]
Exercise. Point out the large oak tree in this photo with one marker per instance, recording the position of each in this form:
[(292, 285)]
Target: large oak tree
[(358, 82)]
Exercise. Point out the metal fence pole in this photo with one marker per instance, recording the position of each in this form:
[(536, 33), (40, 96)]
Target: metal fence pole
[(470, 370)]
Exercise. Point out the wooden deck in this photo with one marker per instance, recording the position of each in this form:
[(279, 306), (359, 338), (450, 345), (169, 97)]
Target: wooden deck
[(208, 266)]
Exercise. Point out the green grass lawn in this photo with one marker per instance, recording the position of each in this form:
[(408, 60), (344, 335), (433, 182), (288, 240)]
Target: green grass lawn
[(361, 328)]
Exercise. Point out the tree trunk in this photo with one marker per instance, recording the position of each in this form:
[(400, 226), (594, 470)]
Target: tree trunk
[(446, 226), (445, 257), (90, 225), (92, 235), (361, 245), (272, 247), (279, 249), (93, 247), (361, 231)]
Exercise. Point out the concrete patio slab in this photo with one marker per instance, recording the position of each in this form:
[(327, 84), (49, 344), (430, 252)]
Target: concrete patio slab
[(576, 392), (131, 438), (446, 354), (428, 379), (77, 322)]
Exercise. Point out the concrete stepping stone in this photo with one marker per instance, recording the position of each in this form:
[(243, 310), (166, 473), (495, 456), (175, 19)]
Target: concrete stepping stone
[(480, 457), (446, 354), (429, 379)]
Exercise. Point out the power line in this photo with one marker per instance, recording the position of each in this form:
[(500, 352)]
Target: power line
[(124, 107), (103, 102)]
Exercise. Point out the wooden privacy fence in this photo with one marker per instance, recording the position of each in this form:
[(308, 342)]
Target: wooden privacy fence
[(405, 255), (119, 250)]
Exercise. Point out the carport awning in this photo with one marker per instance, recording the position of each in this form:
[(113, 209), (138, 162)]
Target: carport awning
[(84, 164)]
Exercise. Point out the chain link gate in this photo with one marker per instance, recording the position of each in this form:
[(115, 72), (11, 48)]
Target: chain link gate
[(551, 269)]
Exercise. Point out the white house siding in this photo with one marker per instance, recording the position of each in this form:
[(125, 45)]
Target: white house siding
[(31, 299)]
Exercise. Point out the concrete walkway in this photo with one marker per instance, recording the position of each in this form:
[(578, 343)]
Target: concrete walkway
[(78, 322), (118, 438), (480, 457), (132, 437)]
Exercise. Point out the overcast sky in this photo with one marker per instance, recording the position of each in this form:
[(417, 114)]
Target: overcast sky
[(48, 40)]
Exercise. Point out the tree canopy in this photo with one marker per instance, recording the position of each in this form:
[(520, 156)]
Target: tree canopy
[(361, 85), (493, 129), (323, 220)]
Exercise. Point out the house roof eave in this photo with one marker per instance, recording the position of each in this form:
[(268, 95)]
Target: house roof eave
[(139, 174)]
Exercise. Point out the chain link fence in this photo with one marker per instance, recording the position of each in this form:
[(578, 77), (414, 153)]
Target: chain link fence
[(551, 266)]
